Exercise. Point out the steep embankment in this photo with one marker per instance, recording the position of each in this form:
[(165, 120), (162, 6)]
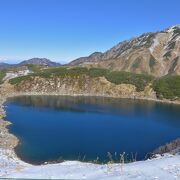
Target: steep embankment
[(83, 81), (82, 85)]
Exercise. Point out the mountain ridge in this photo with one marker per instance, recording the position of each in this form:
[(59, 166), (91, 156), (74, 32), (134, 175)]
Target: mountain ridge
[(40, 61), (32, 61), (155, 53)]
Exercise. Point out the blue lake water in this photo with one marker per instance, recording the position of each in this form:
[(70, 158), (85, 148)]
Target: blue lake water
[(51, 128)]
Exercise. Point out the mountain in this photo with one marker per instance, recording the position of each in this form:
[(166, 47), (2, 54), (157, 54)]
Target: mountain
[(155, 53), (40, 61), (34, 61), (95, 57), (5, 65)]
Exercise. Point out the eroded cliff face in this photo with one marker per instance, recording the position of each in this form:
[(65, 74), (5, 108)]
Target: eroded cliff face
[(81, 85)]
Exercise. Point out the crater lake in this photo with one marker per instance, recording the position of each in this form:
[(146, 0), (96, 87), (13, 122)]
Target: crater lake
[(56, 128)]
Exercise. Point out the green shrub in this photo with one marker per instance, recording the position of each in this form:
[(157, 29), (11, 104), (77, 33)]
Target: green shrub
[(2, 75), (18, 80), (34, 68), (167, 87), (62, 71), (47, 73), (77, 71), (139, 80), (97, 72)]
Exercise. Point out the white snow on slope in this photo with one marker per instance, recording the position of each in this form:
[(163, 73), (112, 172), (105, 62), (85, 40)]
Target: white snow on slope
[(10, 75), (153, 46), (167, 168)]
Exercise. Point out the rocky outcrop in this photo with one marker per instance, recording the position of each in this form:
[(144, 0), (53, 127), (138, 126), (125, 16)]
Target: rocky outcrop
[(172, 147), (7, 140), (93, 58)]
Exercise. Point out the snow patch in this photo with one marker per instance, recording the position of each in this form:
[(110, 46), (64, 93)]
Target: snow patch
[(10, 75), (153, 46)]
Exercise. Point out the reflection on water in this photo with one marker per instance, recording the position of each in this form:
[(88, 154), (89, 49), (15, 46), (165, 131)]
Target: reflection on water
[(80, 103), (62, 126)]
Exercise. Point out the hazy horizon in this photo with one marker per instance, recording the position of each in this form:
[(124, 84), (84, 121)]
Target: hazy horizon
[(68, 29)]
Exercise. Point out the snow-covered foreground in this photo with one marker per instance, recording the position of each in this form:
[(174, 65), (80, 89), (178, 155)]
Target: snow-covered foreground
[(166, 167)]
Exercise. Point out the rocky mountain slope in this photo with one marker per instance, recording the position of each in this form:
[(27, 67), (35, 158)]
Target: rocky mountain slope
[(95, 57), (156, 53)]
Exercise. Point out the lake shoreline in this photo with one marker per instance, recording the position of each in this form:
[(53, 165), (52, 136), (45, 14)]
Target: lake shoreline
[(6, 123), (10, 140), (14, 141)]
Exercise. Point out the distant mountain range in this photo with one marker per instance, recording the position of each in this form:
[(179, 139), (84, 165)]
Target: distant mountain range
[(34, 61), (156, 53)]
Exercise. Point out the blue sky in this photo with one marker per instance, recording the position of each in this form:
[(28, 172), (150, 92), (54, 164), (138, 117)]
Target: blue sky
[(63, 30)]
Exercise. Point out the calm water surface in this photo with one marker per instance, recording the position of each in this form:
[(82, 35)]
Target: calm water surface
[(84, 128)]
